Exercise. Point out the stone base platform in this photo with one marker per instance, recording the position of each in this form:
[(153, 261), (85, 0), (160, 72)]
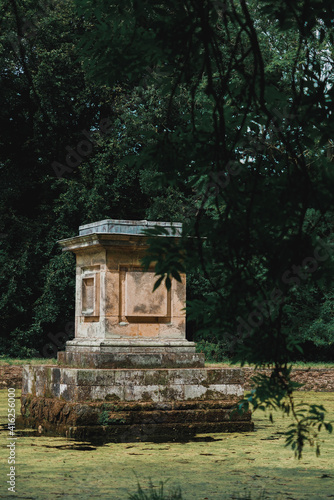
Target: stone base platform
[(104, 405), (136, 353), (129, 422)]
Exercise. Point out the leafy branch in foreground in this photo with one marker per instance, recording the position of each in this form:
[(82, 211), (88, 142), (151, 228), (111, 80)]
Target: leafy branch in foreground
[(275, 393), (252, 87), (164, 252)]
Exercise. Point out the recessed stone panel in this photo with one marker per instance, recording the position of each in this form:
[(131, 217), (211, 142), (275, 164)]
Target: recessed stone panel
[(140, 300), (88, 298)]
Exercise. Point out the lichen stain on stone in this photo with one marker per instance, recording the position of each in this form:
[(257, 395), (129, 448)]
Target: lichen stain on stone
[(141, 308), (169, 393), (156, 378), (146, 396), (112, 397)]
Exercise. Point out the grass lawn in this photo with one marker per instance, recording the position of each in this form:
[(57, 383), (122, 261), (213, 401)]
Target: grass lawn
[(5, 360), (214, 467)]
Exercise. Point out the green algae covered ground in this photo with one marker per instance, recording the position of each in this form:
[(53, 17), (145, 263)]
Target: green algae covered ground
[(216, 466)]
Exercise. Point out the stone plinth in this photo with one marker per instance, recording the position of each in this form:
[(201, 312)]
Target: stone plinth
[(129, 373), (157, 385), (125, 405), (130, 354)]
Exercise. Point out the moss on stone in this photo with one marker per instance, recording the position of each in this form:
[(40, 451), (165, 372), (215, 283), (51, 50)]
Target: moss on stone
[(112, 397), (103, 418)]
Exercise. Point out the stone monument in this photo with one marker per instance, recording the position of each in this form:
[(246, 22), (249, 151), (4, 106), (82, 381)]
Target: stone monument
[(129, 373)]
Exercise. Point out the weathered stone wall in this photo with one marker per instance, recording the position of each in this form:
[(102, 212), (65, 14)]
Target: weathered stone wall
[(131, 421), (128, 404), (178, 384), (315, 379)]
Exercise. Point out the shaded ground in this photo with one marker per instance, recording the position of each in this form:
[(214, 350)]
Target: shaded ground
[(213, 467)]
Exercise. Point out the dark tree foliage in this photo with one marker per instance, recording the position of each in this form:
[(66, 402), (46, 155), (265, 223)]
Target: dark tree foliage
[(253, 83), (61, 145)]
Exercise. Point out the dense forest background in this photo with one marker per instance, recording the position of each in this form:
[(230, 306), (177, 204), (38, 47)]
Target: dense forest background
[(47, 109), (69, 152)]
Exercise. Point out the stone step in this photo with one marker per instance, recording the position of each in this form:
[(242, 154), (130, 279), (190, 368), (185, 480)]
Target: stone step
[(152, 359), (159, 433), (57, 411), (174, 416), (79, 384)]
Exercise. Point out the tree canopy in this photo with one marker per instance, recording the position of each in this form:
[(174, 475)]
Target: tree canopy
[(253, 83)]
